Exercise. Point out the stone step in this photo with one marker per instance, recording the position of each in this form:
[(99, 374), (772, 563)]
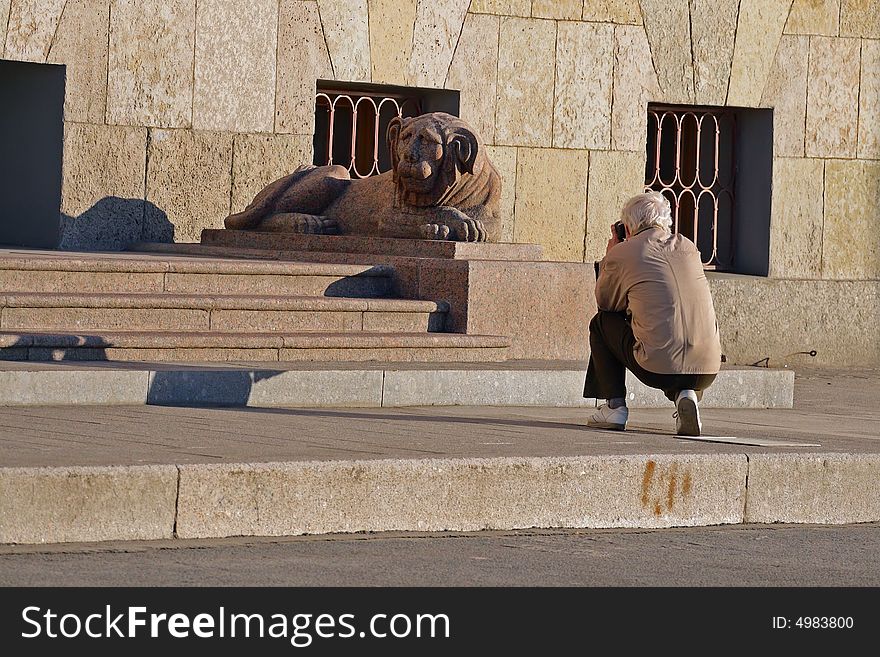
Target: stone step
[(54, 271), (352, 384), (155, 312), (216, 346), (177, 499)]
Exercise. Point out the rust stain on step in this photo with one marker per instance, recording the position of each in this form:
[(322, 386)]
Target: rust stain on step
[(646, 481), (664, 486)]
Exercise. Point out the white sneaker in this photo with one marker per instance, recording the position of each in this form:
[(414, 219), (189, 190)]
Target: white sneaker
[(606, 417), (687, 414)]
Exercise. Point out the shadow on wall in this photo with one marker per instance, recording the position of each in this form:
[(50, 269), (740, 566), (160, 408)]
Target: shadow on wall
[(113, 223), (206, 388)]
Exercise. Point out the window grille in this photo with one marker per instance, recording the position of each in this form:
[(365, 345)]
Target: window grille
[(350, 128), (690, 160)]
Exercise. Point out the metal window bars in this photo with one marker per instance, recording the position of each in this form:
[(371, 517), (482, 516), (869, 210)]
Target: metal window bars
[(350, 128), (690, 160)]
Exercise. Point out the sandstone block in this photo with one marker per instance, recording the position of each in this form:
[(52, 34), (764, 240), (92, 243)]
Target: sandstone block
[(713, 28), (150, 66), (860, 18), (551, 201), (302, 60), (761, 317), (786, 92), (103, 186), (526, 61), (503, 159), (569, 10), (852, 196), (813, 17), (615, 177), (667, 23), (261, 159), (626, 12), (833, 97), (758, 31), (815, 488), (391, 37), (4, 21), (81, 44), (796, 220), (635, 84), (502, 7), (473, 72), (869, 101), (235, 65), (437, 29), (582, 111), (189, 179), (101, 161), (31, 26), (347, 31), (55, 505)]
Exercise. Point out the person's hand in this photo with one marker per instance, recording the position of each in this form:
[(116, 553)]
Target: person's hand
[(613, 241)]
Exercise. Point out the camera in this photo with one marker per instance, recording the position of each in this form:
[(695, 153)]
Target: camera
[(620, 231)]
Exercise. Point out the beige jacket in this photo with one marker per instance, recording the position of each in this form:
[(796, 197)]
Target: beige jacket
[(658, 278)]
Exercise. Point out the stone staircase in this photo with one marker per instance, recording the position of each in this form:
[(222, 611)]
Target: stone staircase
[(164, 307)]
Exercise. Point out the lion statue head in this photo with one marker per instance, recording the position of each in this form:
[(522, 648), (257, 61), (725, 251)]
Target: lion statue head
[(437, 160)]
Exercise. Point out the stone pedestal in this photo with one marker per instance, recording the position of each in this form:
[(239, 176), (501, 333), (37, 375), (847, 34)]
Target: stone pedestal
[(492, 289)]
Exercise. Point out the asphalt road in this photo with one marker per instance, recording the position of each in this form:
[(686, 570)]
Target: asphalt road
[(743, 555)]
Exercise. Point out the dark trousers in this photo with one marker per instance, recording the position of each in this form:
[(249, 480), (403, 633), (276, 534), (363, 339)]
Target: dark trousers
[(611, 354)]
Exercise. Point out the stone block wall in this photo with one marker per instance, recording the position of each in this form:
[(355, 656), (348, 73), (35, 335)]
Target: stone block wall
[(177, 111)]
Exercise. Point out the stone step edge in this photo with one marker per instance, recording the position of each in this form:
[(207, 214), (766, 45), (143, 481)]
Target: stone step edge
[(67, 504), (200, 265), (196, 250), (245, 340), (215, 302), (366, 387)]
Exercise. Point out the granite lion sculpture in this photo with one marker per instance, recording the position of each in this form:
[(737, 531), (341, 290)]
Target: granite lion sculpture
[(442, 186)]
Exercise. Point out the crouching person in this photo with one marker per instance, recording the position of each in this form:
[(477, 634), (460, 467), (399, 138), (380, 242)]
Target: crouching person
[(655, 318)]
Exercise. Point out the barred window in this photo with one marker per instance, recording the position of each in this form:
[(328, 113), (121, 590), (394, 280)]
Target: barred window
[(691, 162), (351, 121), (714, 164)]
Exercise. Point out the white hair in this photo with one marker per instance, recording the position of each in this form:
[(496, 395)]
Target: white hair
[(647, 210)]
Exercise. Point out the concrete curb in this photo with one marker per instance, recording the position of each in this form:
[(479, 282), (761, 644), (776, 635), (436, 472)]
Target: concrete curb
[(363, 387), (58, 505), (460, 495), (70, 386), (47, 505), (814, 488)]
